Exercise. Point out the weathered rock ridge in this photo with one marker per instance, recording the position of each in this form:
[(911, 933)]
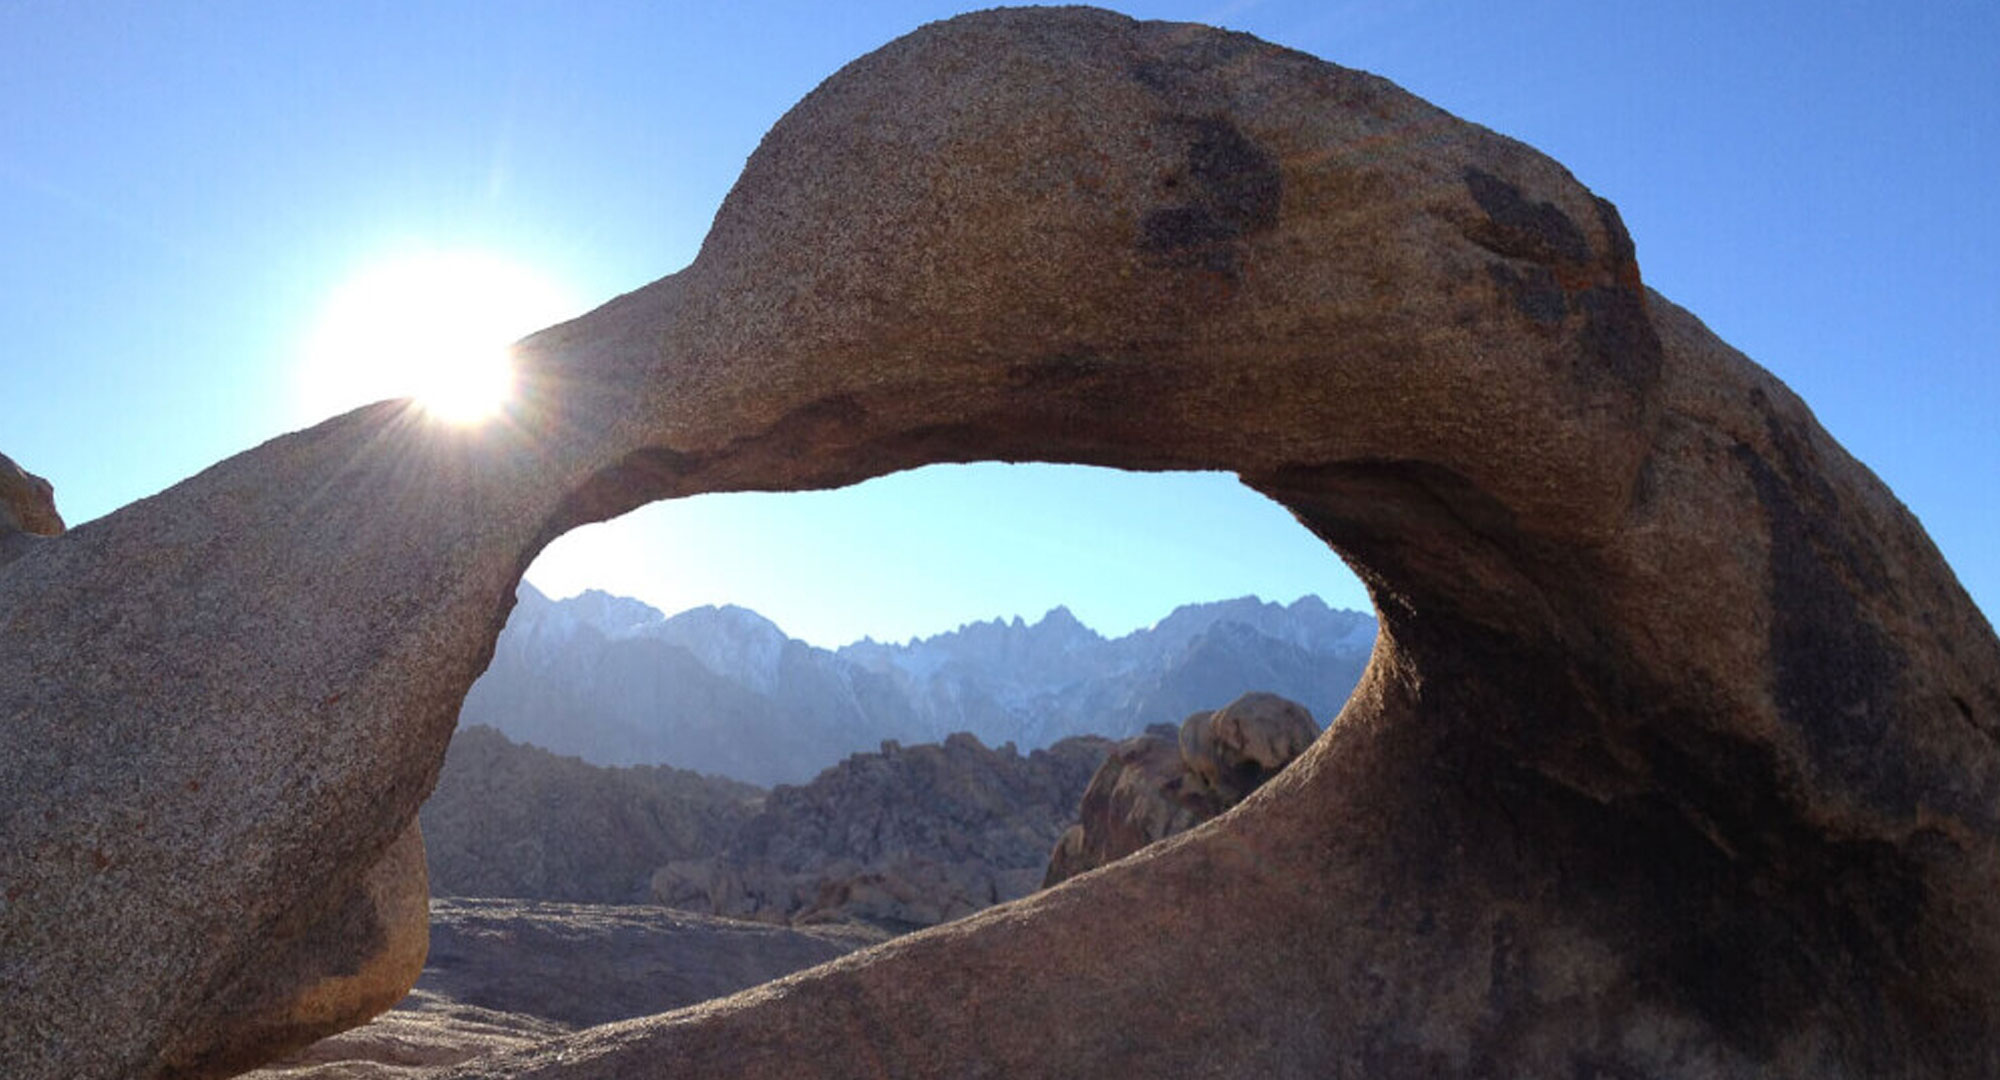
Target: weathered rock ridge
[(518, 821), (899, 839), (1165, 781), (1571, 823), (903, 838)]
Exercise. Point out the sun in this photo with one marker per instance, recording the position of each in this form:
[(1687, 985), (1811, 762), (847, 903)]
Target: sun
[(436, 326)]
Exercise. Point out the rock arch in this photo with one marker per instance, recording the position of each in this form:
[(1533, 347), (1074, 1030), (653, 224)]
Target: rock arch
[(1676, 757)]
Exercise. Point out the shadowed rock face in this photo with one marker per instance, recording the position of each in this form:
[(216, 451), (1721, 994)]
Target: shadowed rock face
[(1676, 755)]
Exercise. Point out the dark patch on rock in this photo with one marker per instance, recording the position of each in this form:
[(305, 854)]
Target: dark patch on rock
[(1618, 335), (1179, 229), (1686, 842), (1534, 293), (1235, 187), (1737, 905), (1619, 248), (1238, 180), (1835, 674), (1503, 967), (1536, 231), (1618, 340)]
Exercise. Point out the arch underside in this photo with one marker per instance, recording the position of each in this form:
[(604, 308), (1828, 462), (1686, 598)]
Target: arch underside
[(1677, 754)]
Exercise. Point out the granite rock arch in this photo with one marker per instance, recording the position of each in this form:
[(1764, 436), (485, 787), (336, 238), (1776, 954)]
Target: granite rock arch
[(1677, 755)]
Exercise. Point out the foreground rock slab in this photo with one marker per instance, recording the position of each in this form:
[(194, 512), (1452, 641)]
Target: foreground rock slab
[(1676, 755), (504, 974)]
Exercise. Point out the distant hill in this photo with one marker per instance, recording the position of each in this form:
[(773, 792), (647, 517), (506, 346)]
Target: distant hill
[(723, 690), (518, 821), (898, 837)]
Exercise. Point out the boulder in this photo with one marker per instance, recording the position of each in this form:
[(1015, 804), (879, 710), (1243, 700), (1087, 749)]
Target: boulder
[(1233, 750), (1142, 793), (27, 509), (1678, 753), (1164, 782)]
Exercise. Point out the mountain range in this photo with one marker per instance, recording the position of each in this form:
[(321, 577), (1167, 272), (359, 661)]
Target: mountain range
[(723, 690)]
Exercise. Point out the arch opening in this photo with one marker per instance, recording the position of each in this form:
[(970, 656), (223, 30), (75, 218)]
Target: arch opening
[(1032, 606)]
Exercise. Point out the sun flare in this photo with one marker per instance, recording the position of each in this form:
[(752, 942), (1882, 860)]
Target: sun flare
[(433, 326)]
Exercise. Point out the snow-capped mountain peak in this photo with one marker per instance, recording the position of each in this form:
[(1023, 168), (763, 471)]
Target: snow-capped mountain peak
[(724, 690)]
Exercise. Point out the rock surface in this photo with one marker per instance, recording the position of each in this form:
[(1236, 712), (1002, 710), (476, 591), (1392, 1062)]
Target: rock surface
[(1231, 751), (518, 821), (1572, 822), (1164, 782), (320, 977), (901, 839), (27, 502), (504, 974)]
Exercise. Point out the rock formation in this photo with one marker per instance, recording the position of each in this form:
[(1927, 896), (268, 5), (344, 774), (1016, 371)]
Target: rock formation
[(1570, 823), (517, 821), (901, 839), (27, 509), (317, 978), (1231, 752), (1166, 781)]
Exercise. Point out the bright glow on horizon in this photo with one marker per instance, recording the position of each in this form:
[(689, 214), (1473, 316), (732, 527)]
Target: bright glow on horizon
[(434, 326)]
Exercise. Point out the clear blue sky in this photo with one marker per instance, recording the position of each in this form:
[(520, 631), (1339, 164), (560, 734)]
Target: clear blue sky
[(184, 187)]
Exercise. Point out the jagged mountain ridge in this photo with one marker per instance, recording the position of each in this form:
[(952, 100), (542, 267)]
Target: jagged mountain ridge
[(724, 690)]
